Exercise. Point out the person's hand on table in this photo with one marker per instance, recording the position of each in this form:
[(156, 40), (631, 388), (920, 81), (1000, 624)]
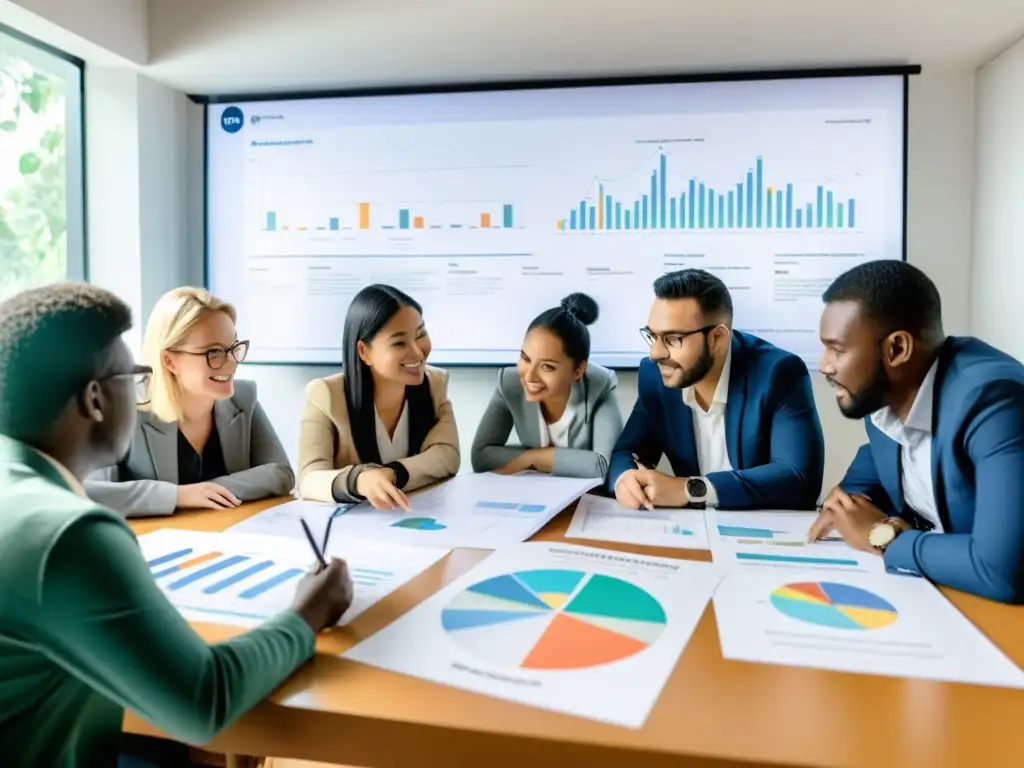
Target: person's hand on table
[(378, 487), (852, 515), (206, 496), (538, 459)]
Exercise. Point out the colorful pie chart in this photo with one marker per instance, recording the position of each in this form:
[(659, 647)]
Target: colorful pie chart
[(837, 606), (553, 619)]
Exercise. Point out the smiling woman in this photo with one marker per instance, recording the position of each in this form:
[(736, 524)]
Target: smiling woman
[(384, 425), (564, 408), (202, 440)]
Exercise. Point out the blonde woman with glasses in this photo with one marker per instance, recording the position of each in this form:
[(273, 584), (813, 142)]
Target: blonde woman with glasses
[(201, 440)]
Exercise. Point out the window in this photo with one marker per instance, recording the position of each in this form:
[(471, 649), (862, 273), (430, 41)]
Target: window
[(42, 211)]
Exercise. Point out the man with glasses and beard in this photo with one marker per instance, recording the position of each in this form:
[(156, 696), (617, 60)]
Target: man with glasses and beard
[(938, 490), (733, 414)]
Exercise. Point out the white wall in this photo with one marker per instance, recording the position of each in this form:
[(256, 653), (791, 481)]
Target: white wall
[(137, 147), (939, 205), (997, 313)]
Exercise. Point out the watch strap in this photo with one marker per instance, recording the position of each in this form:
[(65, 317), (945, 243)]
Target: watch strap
[(697, 492)]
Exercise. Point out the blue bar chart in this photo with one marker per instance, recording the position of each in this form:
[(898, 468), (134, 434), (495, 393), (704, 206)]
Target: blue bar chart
[(214, 572), (246, 579), (752, 203)]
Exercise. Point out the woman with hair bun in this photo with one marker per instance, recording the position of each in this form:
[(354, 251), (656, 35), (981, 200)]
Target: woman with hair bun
[(564, 408)]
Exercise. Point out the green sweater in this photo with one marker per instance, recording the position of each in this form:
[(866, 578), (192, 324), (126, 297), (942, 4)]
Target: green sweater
[(85, 632)]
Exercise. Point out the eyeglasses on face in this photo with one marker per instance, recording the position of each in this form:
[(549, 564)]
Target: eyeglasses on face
[(672, 339), (143, 376), (216, 357)]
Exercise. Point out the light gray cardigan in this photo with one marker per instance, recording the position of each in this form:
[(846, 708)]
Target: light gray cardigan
[(146, 481), (594, 429)]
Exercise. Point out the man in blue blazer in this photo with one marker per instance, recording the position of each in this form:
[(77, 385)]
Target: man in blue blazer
[(938, 490), (734, 415)]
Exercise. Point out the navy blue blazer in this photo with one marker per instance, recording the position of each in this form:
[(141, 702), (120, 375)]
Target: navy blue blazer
[(977, 473), (773, 435)]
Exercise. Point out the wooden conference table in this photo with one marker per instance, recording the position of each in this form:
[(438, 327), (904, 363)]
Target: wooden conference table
[(712, 712)]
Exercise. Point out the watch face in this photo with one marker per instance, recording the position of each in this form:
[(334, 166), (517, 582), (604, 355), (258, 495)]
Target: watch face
[(881, 534), (697, 488)]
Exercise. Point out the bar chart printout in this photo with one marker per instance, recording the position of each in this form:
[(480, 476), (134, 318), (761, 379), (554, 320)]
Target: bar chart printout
[(778, 539), (243, 580), (605, 519), (675, 202)]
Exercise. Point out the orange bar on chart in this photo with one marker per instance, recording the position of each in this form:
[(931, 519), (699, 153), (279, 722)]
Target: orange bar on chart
[(600, 211), (364, 215), (198, 560), (417, 222), (561, 223), (303, 229), (485, 220)]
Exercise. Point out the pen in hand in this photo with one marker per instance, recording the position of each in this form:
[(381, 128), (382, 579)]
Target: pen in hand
[(312, 543), (648, 505)]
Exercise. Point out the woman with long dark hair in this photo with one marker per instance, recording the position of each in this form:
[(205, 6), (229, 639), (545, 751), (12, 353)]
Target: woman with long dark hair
[(383, 425), (564, 408)]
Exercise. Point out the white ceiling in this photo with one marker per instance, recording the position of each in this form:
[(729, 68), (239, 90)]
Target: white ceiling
[(245, 46), (232, 46)]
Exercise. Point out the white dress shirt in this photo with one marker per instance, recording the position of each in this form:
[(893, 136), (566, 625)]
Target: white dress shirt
[(915, 439), (395, 447), (556, 434), (709, 429)]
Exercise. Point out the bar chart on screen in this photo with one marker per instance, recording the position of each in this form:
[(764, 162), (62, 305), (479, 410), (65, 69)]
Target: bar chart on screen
[(676, 201), (505, 212), (243, 580)]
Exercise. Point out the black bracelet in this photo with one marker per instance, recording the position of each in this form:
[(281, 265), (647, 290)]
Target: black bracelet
[(401, 473)]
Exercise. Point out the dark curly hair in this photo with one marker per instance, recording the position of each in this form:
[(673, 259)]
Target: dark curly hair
[(896, 295), (53, 341)]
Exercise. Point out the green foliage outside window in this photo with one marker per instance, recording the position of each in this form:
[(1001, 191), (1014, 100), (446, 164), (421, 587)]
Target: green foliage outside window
[(33, 174)]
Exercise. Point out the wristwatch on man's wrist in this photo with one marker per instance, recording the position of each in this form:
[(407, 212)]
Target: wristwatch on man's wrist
[(697, 491), (884, 532)]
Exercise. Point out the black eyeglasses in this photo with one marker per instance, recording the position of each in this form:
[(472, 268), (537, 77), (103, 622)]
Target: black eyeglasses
[(143, 376), (218, 356), (672, 339)]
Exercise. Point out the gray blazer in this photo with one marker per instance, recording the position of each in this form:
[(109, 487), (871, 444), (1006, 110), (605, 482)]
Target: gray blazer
[(594, 429), (146, 481)]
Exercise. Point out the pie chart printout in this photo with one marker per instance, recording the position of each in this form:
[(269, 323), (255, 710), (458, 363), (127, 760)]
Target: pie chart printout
[(837, 606), (553, 619)]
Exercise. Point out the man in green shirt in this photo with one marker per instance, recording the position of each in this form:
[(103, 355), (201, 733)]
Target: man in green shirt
[(84, 630)]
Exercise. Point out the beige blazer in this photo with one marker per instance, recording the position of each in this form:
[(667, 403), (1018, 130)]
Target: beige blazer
[(327, 450)]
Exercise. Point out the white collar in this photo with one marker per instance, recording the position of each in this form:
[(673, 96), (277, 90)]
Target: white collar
[(920, 415), (721, 390)]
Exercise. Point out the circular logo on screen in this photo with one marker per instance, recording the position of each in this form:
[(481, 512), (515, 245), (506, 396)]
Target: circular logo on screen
[(231, 119)]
